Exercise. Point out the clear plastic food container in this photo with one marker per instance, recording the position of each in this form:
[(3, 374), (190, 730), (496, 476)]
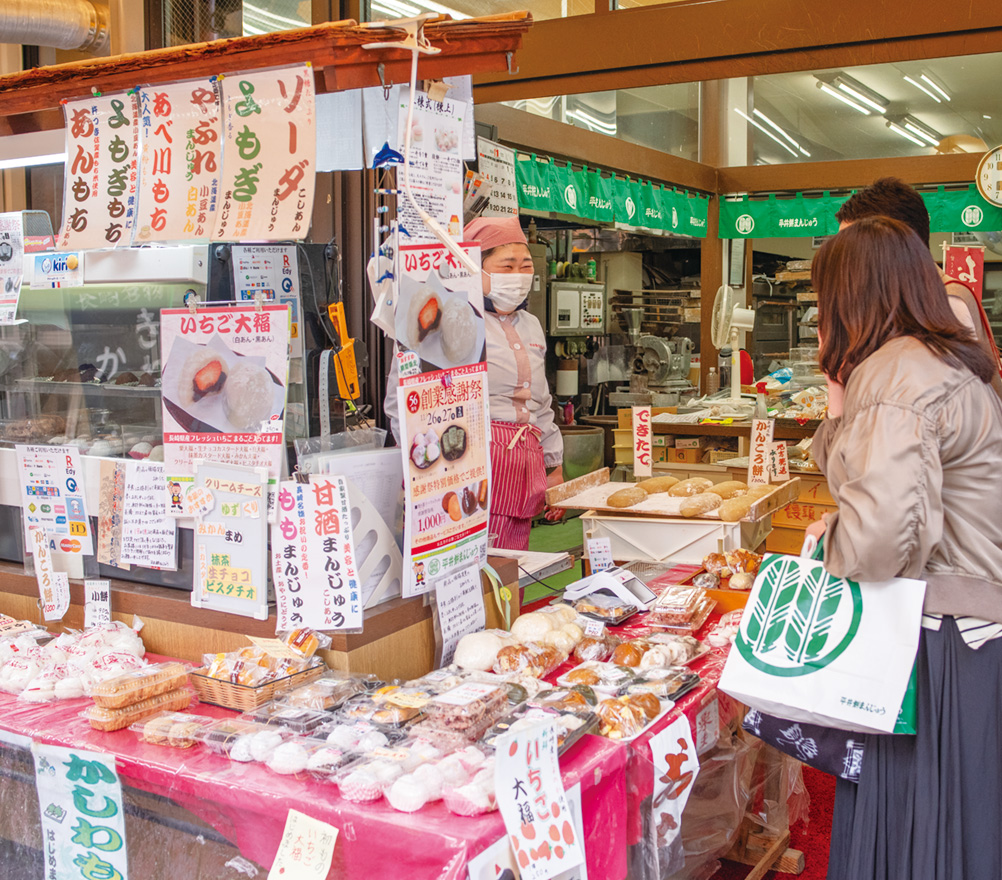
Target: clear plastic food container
[(132, 687)]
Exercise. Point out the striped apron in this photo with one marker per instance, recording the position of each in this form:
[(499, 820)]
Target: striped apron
[(518, 483)]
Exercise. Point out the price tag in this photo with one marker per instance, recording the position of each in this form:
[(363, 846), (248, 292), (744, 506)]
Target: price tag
[(306, 850), (53, 586), (97, 603), (275, 648), (600, 554), (595, 629)]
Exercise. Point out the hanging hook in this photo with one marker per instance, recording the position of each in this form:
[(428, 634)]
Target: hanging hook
[(509, 56)]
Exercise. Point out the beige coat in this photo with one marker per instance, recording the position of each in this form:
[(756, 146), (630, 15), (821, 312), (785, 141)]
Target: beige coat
[(915, 465)]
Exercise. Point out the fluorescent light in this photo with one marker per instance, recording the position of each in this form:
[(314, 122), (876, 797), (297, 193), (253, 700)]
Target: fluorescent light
[(27, 161), (845, 99), (923, 88), (46, 147), (857, 95), (921, 131), (897, 129), (937, 87), (766, 132), (985, 116), (592, 122), (443, 10), (393, 7), (771, 124), (802, 150)]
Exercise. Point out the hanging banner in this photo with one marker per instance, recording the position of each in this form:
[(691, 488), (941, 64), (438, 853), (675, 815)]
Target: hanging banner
[(800, 216), (626, 201), (444, 432), (436, 167), (101, 178), (536, 183), (83, 820), (697, 208), (224, 380), (11, 264), (598, 195), (269, 155), (568, 192), (181, 133), (313, 558), (231, 539), (961, 211), (53, 586), (966, 264), (52, 497), (675, 769), (497, 164), (651, 214)]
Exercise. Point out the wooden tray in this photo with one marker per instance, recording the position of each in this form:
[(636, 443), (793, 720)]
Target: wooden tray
[(592, 491)]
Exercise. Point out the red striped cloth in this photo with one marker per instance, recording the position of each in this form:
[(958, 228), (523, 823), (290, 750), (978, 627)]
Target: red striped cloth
[(518, 483)]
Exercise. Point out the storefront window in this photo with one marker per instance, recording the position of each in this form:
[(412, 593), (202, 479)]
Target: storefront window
[(663, 118), (194, 21), (540, 9), (909, 108)]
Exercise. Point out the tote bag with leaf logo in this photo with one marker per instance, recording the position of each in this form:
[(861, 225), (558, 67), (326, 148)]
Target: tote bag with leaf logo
[(816, 648)]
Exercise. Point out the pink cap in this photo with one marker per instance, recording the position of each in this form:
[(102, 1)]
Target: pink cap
[(494, 232)]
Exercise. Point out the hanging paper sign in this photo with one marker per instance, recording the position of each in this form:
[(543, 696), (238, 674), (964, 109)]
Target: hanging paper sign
[(231, 556), (52, 497), (531, 798), (966, 264), (779, 464), (497, 164), (444, 433), (223, 387), (758, 458), (101, 179), (83, 820), (53, 586), (148, 533), (598, 195), (306, 850), (109, 513), (181, 160), (675, 769), (535, 183), (439, 309), (269, 155), (436, 165), (313, 561), (97, 603), (642, 456), (11, 265), (459, 606)]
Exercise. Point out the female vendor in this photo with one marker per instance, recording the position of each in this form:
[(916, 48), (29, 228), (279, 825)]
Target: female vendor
[(526, 448)]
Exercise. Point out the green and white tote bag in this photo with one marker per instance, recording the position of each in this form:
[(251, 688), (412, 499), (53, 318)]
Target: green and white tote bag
[(816, 648)]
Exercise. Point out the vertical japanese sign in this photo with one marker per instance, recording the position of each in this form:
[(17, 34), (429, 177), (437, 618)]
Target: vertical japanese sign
[(83, 822), (53, 586), (459, 609), (11, 265), (532, 802), (444, 431), (758, 457), (97, 603), (675, 770), (224, 383), (269, 155), (436, 165), (779, 464), (230, 506), (52, 497), (306, 850), (966, 264), (312, 557), (497, 164), (181, 127), (101, 179), (642, 457), (109, 514)]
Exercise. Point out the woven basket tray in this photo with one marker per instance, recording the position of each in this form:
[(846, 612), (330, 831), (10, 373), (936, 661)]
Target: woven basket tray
[(243, 697)]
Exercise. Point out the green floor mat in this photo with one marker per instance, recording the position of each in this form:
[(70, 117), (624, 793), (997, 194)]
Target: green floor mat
[(554, 539)]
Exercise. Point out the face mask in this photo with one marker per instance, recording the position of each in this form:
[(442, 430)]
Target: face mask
[(509, 289)]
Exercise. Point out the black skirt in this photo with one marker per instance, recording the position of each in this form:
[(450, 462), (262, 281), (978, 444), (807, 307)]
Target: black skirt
[(929, 806)]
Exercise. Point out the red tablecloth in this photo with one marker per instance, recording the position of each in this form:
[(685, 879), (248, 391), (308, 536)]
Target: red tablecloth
[(247, 803)]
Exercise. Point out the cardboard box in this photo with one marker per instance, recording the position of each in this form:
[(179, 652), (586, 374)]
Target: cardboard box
[(661, 440), (784, 541), (798, 515), (684, 456), (660, 454), (625, 414), (714, 456), (690, 442)]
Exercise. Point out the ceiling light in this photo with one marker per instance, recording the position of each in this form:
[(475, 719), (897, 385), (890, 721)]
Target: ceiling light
[(592, 122), (897, 129), (845, 99), (936, 87), (858, 95), (923, 88), (922, 130), (771, 124), (766, 132), (34, 148), (985, 116)]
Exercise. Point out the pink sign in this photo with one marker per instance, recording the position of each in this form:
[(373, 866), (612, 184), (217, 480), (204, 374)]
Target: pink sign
[(642, 460)]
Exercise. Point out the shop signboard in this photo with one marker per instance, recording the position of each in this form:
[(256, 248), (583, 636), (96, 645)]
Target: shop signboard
[(181, 160), (436, 165), (101, 177), (773, 217), (966, 264), (801, 216), (268, 155), (231, 539), (11, 264), (313, 561), (444, 440), (83, 819), (536, 181), (224, 387)]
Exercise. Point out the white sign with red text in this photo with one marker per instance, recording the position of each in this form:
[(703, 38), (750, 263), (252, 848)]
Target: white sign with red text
[(758, 457), (642, 456)]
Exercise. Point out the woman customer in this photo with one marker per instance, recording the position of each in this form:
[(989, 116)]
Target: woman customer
[(526, 448), (912, 450)]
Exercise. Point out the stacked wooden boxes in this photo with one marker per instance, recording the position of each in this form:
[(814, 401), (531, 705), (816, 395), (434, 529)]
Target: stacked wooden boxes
[(790, 522), (623, 437)]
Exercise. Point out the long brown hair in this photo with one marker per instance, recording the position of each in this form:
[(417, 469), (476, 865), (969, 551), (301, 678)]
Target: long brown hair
[(877, 281)]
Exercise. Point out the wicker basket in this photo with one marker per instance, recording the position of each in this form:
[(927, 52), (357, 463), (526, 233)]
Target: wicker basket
[(243, 697)]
